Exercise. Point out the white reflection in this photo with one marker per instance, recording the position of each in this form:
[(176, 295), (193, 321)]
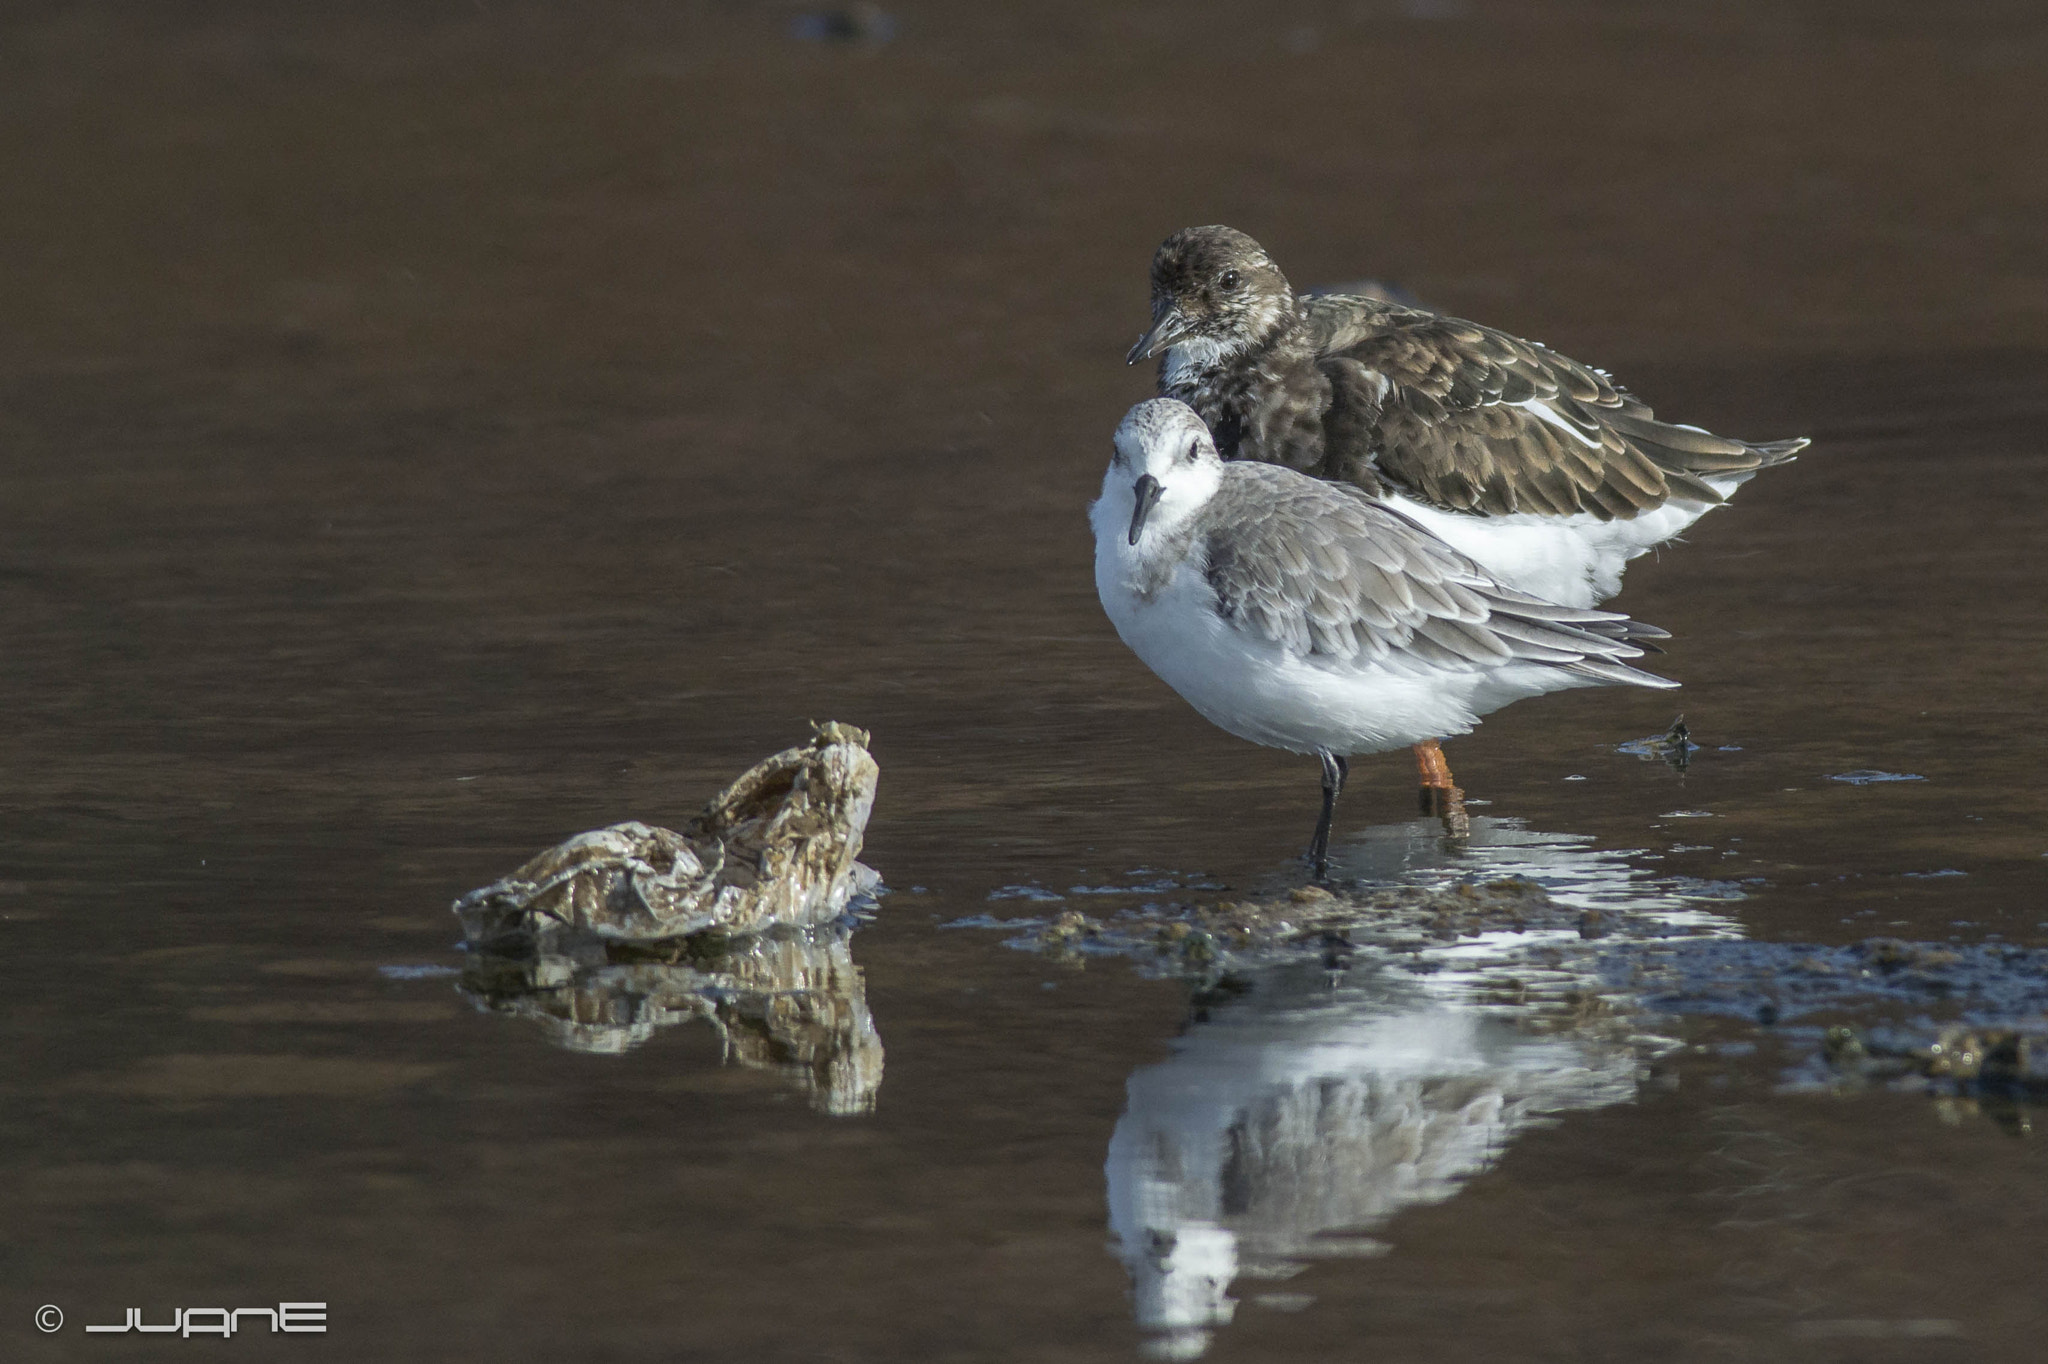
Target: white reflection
[(1299, 1115), (1567, 865)]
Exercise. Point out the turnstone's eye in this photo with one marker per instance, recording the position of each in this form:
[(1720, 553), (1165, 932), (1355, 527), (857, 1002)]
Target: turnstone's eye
[(1230, 279)]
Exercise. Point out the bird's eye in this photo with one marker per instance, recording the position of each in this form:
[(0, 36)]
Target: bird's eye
[(1229, 279), (1194, 448)]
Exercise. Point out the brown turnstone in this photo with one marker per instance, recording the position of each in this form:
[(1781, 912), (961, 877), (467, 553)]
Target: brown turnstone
[(1540, 468)]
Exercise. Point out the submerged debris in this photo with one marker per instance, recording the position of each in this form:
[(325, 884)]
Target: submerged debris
[(1386, 917), (1964, 1057), (1674, 747), (863, 25), (1973, 1018), (1980, 983), (789, 1001), (775, 847), (1870, 776)]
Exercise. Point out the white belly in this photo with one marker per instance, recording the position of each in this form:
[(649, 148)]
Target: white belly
[(1571, 560)]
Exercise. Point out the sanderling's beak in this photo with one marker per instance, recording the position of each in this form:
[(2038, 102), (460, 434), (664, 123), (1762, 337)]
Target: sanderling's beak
[(1167, 328), (1146, 493)]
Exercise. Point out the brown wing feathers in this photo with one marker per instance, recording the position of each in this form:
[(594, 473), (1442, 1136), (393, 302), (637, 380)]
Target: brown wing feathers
[(1441, 408)]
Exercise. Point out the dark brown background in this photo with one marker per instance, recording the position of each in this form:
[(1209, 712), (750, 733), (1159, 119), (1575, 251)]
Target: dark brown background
[(574, 399)]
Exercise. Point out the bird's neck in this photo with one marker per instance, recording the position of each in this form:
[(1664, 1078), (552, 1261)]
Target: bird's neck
[(1199, 363), (1191, 365)]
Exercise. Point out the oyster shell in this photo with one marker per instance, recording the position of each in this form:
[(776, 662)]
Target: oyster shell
[(776, 847)]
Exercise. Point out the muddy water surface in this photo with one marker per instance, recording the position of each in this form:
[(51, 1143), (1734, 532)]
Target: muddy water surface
[(429, 435)]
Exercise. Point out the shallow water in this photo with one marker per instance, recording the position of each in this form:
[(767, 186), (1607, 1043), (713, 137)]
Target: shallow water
[(432, 436)]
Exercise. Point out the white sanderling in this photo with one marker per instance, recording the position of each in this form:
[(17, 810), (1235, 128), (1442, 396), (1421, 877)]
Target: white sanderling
[(1306, 616)]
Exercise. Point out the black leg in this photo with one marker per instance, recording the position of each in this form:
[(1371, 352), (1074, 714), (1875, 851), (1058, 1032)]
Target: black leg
[(1335, 770)]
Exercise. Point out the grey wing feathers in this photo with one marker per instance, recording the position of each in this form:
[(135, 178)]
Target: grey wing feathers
[(1332, 576)]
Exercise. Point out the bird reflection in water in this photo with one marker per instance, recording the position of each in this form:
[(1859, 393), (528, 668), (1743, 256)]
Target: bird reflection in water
[(789, 1001), (1310, 1101)]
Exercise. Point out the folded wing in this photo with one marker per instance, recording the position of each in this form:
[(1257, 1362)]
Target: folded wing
[(1471, 419), (1331, 576)]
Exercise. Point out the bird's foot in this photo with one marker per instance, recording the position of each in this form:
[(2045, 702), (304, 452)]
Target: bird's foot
[(1447, 803)]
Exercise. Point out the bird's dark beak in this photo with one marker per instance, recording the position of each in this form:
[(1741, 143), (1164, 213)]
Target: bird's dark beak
[(1167, 327), (1146, 494)]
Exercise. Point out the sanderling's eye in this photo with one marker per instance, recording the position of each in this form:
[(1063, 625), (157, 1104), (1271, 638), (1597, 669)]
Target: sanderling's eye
[(1229, 279), (1194, 448)]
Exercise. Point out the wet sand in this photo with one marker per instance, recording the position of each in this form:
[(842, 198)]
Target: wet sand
[(429, 434)]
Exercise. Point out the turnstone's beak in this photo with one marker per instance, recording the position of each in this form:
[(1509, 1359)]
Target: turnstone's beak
[(1146, 493), (1167, 329)]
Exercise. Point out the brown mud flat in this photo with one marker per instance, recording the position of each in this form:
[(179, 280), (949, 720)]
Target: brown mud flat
[(430, 430)]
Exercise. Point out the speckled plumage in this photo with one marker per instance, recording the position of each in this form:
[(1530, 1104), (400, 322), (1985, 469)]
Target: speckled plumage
[(1456, 417)]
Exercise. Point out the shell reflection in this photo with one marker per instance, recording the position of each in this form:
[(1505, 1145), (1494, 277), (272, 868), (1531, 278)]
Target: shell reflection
[(791, 1002)]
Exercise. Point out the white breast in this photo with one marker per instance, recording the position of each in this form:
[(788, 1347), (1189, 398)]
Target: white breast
[(1191, 360)]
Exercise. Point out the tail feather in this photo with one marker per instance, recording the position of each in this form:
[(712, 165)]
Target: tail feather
[(1619, 672), (1772, 452), (1687, 450)]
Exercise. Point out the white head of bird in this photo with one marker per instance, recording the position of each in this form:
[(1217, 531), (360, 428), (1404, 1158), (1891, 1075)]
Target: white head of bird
[(1164, 470)]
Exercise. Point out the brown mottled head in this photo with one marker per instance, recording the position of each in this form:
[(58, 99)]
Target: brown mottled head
[(1213, 284)]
